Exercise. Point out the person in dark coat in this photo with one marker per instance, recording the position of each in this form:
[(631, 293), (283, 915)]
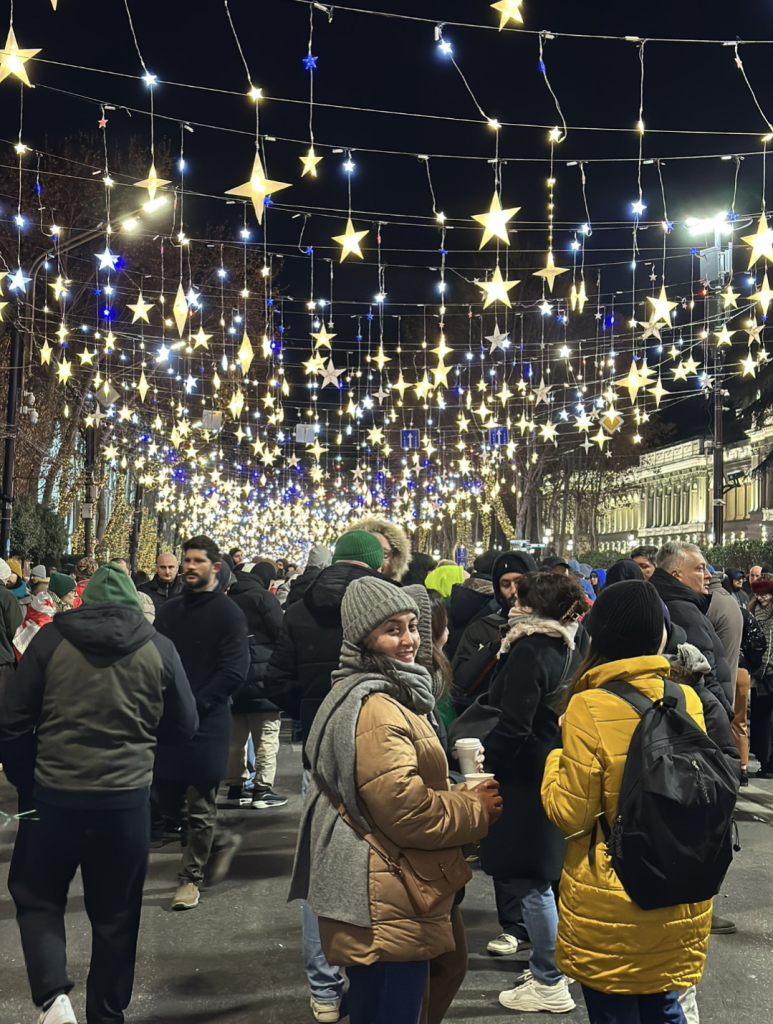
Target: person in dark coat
[(252, 713), (418, 568), (210, 634), (524, 853), (166, 583), (320, 557), (471, 600), (80, 718), (11, 617), (681, 579), (623, 569), (298, 680)]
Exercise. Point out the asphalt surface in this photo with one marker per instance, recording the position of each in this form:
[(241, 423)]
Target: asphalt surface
[(236, 959)]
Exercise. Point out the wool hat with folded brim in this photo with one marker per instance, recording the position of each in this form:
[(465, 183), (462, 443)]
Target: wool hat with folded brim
[(5, 571), (626, 621), (111, 585), (60, 584), (15, 566), (359, 546), (764, 585), (40, 573), (368, 602)]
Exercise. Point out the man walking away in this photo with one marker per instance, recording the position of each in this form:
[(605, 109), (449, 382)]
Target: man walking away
[(166, 583), (80, 720), (210, 634)]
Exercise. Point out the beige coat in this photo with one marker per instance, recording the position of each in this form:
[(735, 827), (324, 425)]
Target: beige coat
[(403, 790)]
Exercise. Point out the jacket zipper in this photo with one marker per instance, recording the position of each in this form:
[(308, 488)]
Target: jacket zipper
[(701, 781)]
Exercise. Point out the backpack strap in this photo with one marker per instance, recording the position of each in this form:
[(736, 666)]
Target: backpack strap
[(673, 695)]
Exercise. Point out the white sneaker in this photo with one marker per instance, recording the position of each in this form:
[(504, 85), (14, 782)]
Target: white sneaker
[(508, 945), (327, 1013), (59, 1012), (526, 975), (534, 997)]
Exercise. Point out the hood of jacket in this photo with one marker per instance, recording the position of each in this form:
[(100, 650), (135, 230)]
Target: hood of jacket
[(398, 542), (510, 561), (105, 629), (324, 596), (670, 589), (243, 583), (602, 576)]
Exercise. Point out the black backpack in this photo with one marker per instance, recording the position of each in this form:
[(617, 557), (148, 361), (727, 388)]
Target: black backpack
[(671, 841), (753, 641)]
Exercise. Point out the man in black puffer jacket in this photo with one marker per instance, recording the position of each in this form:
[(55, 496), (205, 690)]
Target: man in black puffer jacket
[(252, 713)]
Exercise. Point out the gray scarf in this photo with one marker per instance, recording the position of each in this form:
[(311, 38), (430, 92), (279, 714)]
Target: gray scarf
[(331, 859)]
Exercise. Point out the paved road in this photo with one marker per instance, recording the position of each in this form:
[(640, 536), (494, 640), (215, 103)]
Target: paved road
[(236, 958)]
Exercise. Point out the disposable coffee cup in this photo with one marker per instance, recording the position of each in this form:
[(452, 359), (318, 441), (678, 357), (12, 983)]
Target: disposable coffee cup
[(476, 779), (466, 752)]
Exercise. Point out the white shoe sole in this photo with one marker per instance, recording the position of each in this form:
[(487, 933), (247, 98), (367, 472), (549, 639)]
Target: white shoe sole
[(259, 805), (522, 953), (536, 1005)]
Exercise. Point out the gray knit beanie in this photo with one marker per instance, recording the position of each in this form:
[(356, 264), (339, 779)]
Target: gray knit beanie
[(368, 602)]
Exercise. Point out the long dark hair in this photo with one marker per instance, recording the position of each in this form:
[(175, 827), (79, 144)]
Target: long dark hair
[(441, 666), (379, 664)]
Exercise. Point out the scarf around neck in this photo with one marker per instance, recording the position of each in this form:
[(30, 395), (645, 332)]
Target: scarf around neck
[(526, 623)]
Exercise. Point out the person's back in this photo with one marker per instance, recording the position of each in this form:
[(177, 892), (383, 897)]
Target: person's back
[(725, 616)]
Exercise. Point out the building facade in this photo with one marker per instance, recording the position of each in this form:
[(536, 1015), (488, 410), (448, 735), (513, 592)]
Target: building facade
[(669, 496)]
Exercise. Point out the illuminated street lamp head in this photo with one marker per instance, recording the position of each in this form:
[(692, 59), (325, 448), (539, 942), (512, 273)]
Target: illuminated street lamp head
[(707, 225)]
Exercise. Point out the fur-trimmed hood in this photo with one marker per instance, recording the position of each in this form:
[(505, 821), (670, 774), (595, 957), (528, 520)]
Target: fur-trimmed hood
[(398, 542), (527, 625)]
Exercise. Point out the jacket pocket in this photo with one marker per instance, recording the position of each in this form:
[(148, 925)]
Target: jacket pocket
[(431, 876)]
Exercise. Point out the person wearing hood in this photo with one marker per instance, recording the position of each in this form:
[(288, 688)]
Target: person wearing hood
[(397, 550), (577, 569), (475, 656), (471, 598), (11, 618), (418, 568), (320, 557), (266, 572), (379, 796), (525, 852), (734, 584), (210, 634), (252, 713), (298, 680), (597, 578), (167, 582), (79, 723), (623, 569)]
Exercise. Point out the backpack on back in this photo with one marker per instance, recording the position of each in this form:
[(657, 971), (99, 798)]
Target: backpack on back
[(753, 643), (671, 841)]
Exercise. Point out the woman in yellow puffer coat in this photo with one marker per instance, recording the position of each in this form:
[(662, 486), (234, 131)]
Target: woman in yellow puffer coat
[(631, 962)]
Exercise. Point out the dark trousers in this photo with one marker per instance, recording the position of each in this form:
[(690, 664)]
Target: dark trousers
[(509, 898), (194, 805), (386, 993), (761, 728), (111, 847), (446, 974), (662, 1008)]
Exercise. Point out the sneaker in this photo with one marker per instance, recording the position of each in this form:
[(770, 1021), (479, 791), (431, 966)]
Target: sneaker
[(238, 796), (327, 1013), (721, 926), (744, 777), (59, 1012), (526, 975), (267, 798), (187, 897), (509, 945), (220, 861), (534, 997)]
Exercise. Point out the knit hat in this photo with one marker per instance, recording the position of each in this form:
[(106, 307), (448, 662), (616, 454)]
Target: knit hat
[(510, 561), (320, 557), (369, 601), (484, 564), (39, 573), (60, 584), (15, 565), (110, 585), (5, 571), (359, 546), (444, 579), (623, 569), (552, 561), (626, 621), (85, 568)]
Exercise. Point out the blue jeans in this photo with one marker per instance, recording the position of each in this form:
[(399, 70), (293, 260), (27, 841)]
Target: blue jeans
[(605, 1008), (540, 918), (326, 983), (387, 993)]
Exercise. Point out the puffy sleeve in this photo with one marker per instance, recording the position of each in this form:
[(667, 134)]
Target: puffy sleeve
[(572, 781)]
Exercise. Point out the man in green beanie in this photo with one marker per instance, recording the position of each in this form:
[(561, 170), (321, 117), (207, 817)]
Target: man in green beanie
[(298, 680), (79, 723)]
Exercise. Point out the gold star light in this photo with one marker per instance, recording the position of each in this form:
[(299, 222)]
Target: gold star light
[(143, 386), (314, 365), (496, 289), (764, 295), (64, 370), (658, 391), (508, 10), (246, 354), (633, 381), (257, 188), (761, 242), (661, 307), (729, 297), (310, 162), (152, 183), (12, 59), (749, 366), (86, 357), (551, 272), (495, 221), (322, 338), (350, 241), (180, 310), (140, 309), (45, 353), (600, 438), (200, 339)]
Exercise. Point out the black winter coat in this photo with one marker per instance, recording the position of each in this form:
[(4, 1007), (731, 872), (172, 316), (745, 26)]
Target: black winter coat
[(210, 634), (688, 610), (469, 602), (160, 592), (264, 622), (523, 843), (300, 585), (298, 677)]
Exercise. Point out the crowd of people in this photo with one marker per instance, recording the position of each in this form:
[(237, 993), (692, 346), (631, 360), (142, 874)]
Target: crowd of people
[(447, 718)]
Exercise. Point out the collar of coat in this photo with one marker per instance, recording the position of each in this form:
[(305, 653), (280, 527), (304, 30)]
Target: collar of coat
[(527, 625), (629, 670)]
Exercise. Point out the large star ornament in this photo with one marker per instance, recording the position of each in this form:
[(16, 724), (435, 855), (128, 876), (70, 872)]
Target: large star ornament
[(661, 307), (310, 162), (761, 242), (508, 10), (12, 59), (495, 221), (257, 188), (350, 241), (550, 272), (140, 309), (496, 289)]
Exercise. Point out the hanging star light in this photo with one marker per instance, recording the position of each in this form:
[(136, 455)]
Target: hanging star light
[(550, 272), (679, 371), (140, 310), (314, 365), (661, 307), (107, 260), (761, 242), (496, 289), (200, 339), (322, 339), (612, 420), (246, 354), (17, 280), (376, 435), (330, 375), (583, 421), (180, 310), (64, 370), (600, 438), (548, 431), (764, 295), (749, 366), (59, 288), (754, 330), (45, 353), (724, 337), (143, 386), (582, 297), (12, 59), (257, 188), (423, 388), (401, 385), (495, 221), (633, 382), (440, 374), (497, 339), (310, 162), (658, 391), (152, 183), (652, 329), (86, 357), (729, 297), (509, 10), (236, 405), (541, 393), (350, 241)]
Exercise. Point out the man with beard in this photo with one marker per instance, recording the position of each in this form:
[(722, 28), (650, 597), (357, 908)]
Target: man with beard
[(210, 634)]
